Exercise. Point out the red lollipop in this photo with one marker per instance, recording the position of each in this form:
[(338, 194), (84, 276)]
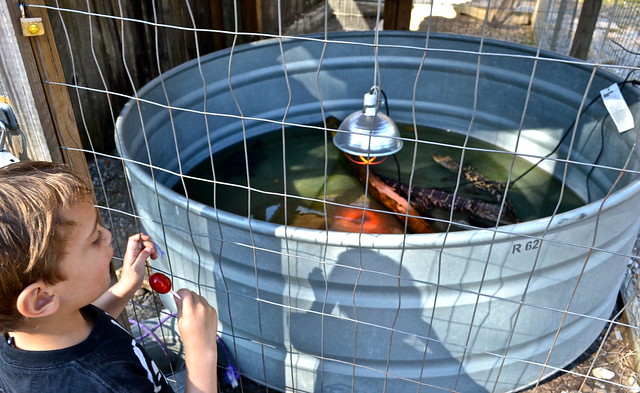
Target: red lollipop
[(161, 284)]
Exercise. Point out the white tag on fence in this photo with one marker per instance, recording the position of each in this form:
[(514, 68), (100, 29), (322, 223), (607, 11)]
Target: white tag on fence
[(617, 107)]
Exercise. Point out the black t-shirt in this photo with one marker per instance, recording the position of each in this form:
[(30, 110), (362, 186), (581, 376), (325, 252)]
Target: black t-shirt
[(108, 361)]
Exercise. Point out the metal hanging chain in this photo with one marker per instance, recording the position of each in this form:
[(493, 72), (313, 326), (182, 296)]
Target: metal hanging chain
[(3, 135)]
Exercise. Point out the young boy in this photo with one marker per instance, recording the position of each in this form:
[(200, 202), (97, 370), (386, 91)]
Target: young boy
[(57, 308)]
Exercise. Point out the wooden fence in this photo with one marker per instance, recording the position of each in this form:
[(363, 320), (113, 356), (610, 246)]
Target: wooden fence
[(120, 50)]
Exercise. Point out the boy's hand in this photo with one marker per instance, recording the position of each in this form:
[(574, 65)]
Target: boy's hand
[(139, 249), (198, 327), (197, 320)]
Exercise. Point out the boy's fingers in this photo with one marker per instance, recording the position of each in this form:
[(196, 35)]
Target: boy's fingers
[(153, 253), (147, 243), (144, 254), (143, 239), (185, 296), (139, 237), (184, 293), (191, 299), (141, 244), (179, 302)]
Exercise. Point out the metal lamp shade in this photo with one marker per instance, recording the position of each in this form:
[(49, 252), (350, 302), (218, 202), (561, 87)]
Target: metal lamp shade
[(368, 136)]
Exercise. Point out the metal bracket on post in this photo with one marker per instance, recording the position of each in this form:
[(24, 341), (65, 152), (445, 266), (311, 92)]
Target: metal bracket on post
[(31, 27), (7, 125)]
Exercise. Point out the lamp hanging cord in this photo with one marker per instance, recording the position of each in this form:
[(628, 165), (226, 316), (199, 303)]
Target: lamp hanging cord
[(386, 102), (395, 156), (564, 135)]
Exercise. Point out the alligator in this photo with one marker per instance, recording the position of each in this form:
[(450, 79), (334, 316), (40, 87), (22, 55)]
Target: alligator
[(424, 199), (479, 181)]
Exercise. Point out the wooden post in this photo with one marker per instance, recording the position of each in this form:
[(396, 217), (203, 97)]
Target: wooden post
[(19, 75), (251, 17), (31, 71), (51, 73), (586, 26), (217, 23), (397, 14)]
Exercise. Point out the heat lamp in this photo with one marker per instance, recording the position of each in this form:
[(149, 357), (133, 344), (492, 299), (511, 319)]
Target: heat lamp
[(368, 133)]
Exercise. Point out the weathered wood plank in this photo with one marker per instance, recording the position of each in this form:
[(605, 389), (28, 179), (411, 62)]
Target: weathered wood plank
[(21, 82), (397, 14), (123, 50), (55, 89)]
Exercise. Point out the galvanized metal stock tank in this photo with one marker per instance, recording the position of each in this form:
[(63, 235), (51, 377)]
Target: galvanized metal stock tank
[(468, 311)]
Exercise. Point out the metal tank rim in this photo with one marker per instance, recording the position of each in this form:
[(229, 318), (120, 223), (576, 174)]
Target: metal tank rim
[(532, 228)]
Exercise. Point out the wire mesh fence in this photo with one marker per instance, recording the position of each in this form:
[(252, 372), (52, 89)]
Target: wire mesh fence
[(615, 38), (512, 167)]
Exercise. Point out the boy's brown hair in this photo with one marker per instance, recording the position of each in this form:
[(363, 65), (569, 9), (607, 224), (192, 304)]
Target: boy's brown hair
[(34, 199)]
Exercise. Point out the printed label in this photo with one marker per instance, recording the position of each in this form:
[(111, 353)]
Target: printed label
[(617, 107)]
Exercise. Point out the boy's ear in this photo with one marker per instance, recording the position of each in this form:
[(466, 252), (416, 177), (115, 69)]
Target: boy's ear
[(34, 301)]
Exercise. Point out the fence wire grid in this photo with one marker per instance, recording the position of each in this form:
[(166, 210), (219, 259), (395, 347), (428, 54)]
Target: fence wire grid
[(319, 286)]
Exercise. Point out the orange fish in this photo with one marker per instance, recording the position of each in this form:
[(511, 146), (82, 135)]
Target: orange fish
[(348, 219)]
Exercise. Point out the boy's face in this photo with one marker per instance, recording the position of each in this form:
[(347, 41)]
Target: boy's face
[(86, 264)]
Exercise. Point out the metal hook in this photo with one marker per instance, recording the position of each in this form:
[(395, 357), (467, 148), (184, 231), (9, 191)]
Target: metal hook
[(11, 123), (3, 135), (23, 12), (6, 157)]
